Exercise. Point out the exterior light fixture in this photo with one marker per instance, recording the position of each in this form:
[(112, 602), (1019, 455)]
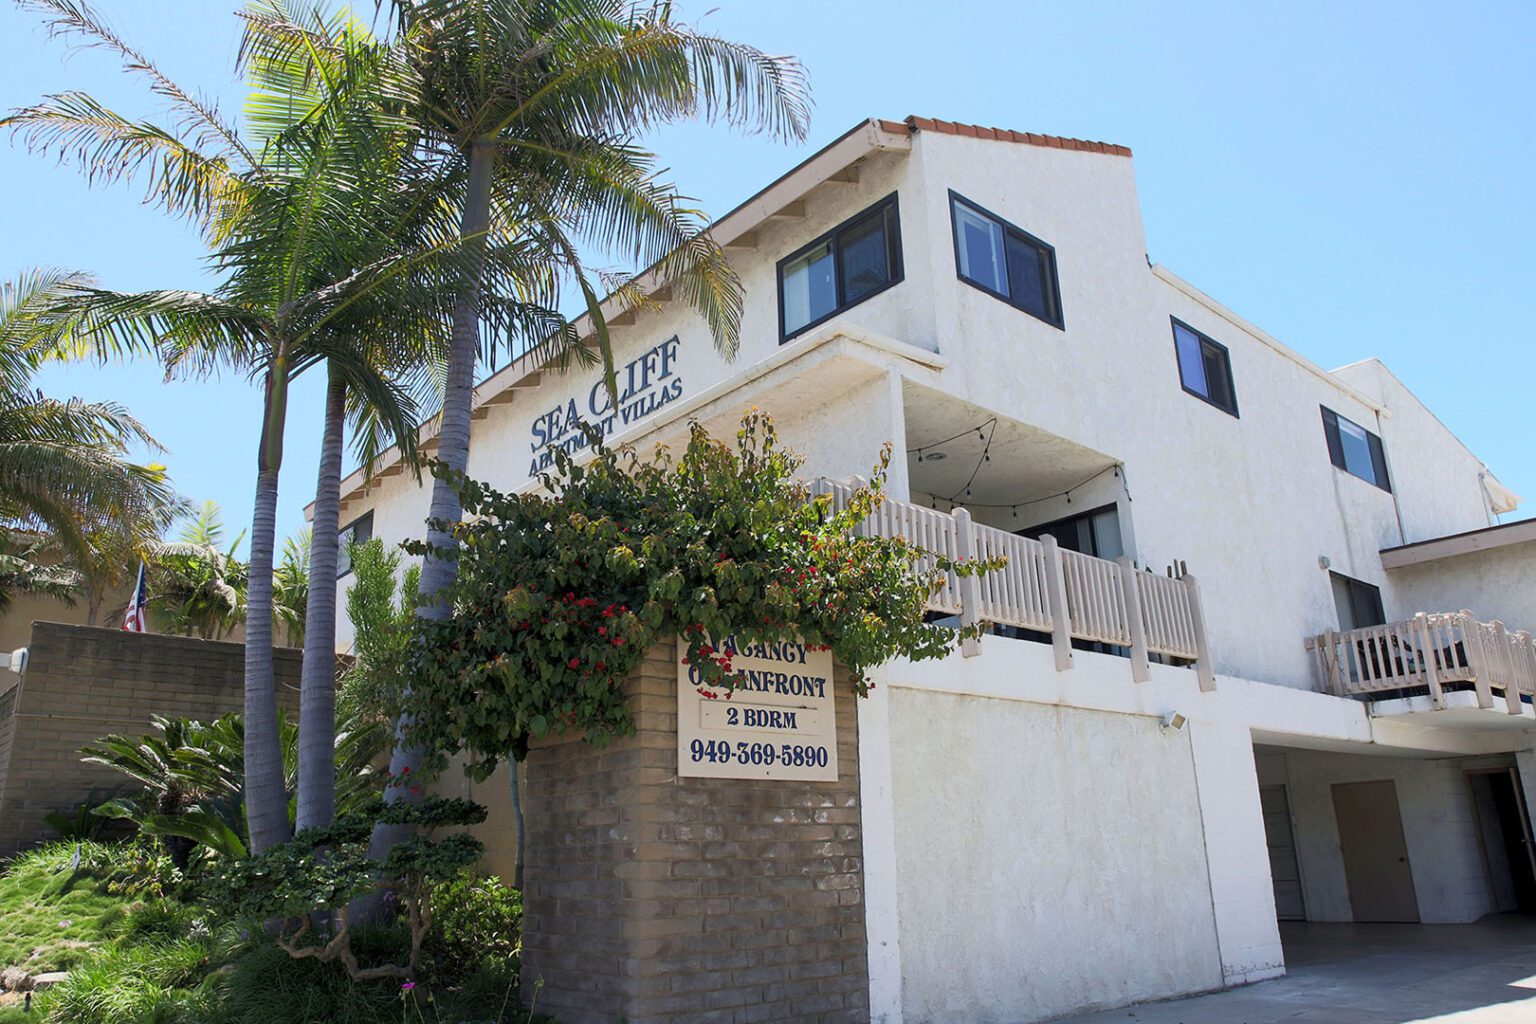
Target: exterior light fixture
[(1174, 722), (16, 661)]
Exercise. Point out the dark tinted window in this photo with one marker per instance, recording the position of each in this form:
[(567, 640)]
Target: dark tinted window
[(1355, 450), (1005, 261), (1358, 603), (359, 531), (1205, 367), (853, 261)]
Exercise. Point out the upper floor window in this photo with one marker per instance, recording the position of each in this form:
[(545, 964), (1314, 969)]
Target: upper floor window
[(856, 259), (358, 531), (1355, 450), (1205, 367), (1005, 261)]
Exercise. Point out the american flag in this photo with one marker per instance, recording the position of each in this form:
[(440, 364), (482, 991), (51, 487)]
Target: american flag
[(136, 618)]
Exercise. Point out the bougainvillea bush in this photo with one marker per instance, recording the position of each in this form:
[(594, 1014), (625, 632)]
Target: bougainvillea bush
[(561, 592)]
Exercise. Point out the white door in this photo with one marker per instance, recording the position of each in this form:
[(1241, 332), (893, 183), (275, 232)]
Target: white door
[(1284, 867)]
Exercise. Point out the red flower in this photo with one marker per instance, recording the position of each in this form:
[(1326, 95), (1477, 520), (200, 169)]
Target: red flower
[(602, 630), (575, 663)]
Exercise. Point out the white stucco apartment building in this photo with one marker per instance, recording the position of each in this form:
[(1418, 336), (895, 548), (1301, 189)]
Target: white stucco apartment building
[(1062, 817)]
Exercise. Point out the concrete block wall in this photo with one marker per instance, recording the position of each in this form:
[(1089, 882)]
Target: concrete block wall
[(649, 897), (83, 682)]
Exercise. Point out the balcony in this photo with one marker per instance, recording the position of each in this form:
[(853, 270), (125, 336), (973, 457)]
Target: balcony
[(1449, 659), (1046, 589)]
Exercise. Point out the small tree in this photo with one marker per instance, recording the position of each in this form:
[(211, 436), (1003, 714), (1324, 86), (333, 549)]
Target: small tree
[(559, 594), (327, 868), (381, 605)]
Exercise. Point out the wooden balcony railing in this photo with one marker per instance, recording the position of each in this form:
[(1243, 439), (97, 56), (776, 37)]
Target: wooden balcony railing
[(1435, 652), (1046, 589)]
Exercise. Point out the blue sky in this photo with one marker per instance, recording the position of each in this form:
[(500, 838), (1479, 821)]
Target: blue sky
[(1354, 178)]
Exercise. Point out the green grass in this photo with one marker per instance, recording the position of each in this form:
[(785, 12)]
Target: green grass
[(53, 914), (156, 981)]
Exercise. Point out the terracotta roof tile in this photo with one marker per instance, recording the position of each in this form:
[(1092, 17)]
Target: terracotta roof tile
[(975, 131)]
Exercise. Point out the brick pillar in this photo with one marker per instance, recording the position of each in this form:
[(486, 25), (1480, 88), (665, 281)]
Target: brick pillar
[(653, 898)]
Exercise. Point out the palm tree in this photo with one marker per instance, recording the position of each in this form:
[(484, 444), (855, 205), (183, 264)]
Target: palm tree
[(32, 563), (314, 247), (64, 465), (197, 586), (536, 104)]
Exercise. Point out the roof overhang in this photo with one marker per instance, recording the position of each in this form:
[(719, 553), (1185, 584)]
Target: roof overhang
[(833, 165), (1488, 539)]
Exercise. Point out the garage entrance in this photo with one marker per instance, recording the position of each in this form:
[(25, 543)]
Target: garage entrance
[(1397, 837)]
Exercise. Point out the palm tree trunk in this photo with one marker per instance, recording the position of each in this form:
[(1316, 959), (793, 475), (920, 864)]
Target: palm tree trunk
[(266, 802), (453, 451), (317, 683)]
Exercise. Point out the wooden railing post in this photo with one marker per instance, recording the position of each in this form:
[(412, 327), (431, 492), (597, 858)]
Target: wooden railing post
[(1203, 666), (1140, 670), (969, 587), (854, 483), (1504, 655), (1335, 662), (1526, 658), (1427, 652), (1477, 657), (1056, 595)]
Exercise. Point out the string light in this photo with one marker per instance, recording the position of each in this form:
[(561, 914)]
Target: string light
[(966, 491)]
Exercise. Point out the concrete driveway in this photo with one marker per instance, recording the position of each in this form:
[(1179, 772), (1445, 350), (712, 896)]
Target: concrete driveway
[(1482, 973)]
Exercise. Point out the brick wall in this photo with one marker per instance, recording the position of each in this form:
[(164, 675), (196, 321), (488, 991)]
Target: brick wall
[(85, 681), (651, 898)]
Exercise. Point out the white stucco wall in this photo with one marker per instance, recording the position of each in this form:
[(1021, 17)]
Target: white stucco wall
[(1449, 878), (1497, 584), (1058, 860), (1249, 503), (1436, 477)]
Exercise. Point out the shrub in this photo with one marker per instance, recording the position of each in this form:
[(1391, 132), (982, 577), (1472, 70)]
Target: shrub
[(477, 928), (559, 595)]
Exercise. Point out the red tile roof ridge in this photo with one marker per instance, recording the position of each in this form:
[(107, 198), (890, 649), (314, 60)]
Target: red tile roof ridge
[(975, 131)]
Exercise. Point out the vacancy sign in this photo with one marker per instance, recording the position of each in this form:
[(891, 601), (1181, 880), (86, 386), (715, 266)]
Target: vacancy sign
[(777, 724)]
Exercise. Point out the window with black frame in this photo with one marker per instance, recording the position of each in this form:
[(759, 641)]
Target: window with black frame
[(1358, 603), (859, 258), (1005, 261), (1355, 450), (1205, 367), (358, 531)]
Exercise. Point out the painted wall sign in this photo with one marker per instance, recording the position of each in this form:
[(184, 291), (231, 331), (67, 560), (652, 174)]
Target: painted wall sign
[(646, 383), (778, 724)]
